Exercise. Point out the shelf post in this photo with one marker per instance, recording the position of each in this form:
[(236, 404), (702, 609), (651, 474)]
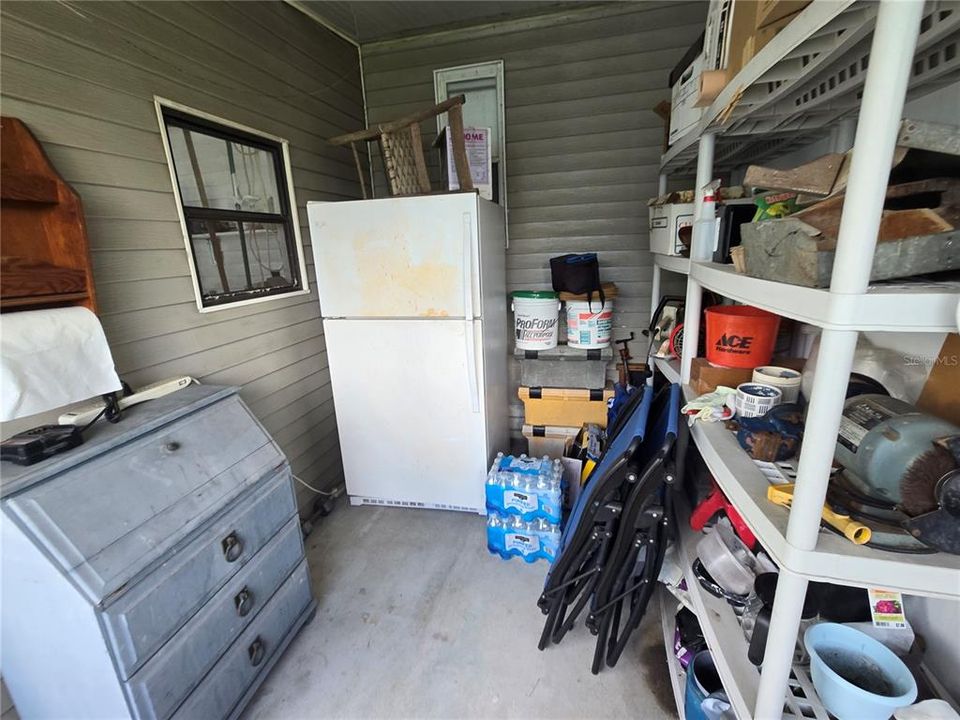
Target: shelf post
[(701, 249), (654, 302), (891, 60), (884, 91)]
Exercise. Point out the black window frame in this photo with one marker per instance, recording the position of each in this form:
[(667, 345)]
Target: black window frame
[(173, 117)]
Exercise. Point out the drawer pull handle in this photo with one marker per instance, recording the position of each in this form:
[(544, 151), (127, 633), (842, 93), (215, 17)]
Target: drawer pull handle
[(172, 446), (256, 651), (244, 602), (232, 547)]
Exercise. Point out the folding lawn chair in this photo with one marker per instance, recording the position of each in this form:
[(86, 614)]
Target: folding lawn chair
[(591, 525), (633, 564)]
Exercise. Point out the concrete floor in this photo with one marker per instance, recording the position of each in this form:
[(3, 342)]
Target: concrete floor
[(417, 620)]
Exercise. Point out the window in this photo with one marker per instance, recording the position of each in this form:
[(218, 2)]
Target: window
[(237, 208), (482, 84)]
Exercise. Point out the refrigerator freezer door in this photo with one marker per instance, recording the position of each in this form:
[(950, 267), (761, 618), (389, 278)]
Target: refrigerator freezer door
[(409, 415), (407, 257)]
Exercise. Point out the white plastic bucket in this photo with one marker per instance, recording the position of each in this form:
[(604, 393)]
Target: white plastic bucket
[(536, 316), (589, 328)]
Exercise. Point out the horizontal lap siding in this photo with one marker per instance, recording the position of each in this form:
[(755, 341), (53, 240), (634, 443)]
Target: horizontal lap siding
[(583, 143), (83, 76)]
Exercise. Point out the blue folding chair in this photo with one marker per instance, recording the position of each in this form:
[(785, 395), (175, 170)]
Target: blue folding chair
[(589, 529), (622, 511)]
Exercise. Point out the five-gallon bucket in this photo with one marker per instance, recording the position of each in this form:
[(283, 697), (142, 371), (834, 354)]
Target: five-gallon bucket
[(536, 314), (740, 336), (589, 324)]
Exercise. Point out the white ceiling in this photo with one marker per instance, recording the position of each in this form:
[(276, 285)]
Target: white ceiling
[(370, 21)]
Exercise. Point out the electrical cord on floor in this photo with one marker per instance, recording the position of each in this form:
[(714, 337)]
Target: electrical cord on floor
[(326, 493), (98, 416)]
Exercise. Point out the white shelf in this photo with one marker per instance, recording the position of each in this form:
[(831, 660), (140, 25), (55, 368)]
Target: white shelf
[(668, 621), (835, 559), (672, 263), (806, 78), (669, 368), (728, 646), (898, 306)]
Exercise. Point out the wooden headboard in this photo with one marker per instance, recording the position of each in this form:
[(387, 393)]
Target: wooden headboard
[(45, 255)]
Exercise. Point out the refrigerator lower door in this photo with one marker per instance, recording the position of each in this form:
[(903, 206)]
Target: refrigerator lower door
[(410, 411)]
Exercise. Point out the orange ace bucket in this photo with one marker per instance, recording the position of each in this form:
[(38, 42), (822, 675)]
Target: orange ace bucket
[(740, 336)]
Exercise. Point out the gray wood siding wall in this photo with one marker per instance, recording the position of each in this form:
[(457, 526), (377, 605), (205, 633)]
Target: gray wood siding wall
[(583, 144), (82, 75)]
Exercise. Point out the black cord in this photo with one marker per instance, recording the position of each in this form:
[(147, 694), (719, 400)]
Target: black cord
[(87, 426)]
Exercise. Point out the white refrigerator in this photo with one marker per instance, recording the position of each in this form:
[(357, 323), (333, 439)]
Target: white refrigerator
[(413, 297)]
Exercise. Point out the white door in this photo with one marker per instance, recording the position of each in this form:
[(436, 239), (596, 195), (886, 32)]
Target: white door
[(410, 410), (396, 257)]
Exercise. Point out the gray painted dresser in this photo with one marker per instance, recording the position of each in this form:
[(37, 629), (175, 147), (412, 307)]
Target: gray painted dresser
[(156, 571)]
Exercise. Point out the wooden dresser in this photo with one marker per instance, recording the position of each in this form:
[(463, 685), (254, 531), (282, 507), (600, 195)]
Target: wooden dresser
[(156, 571)]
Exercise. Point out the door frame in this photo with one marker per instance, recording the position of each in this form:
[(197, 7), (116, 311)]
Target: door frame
[(476, 71)]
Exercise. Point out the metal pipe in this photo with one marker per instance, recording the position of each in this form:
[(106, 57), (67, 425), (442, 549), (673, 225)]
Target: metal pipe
[(891, 60), (662, 184), (781, 641)]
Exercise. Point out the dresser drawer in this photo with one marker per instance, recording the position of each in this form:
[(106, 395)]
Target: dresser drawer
[(107, 520), (224, 686), (168, 677), (149, 613)]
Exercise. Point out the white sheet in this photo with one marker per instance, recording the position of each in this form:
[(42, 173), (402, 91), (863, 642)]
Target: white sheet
[(51, 358)]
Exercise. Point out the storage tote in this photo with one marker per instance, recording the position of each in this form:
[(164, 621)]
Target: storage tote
[(568, 407), (564, 367)]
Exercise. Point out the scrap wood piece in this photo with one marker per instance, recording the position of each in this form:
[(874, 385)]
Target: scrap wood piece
[(825, 176), (899, 220)]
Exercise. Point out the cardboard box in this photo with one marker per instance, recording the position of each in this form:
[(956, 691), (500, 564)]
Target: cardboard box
[(666, 221), (941, 393), (705, 378), (684, 113), (772, 11), (479, 157)]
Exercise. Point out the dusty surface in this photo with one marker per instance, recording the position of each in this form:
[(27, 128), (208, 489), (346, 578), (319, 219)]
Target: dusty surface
[(417, 620)]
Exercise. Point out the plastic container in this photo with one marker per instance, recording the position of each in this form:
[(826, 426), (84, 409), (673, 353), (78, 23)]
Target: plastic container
[(755, 399), (566, 407), (740, 336), (536, 315), (589, 325), (780, 377), (564, 367), (857, 677)]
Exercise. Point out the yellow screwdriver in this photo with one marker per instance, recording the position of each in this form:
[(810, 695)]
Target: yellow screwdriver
[(855, 532)]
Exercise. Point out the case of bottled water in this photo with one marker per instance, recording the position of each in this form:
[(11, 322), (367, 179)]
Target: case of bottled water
[(524, 508), (529, 487), (509, 535)]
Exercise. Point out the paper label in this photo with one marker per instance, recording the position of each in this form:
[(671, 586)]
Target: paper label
[(521, 501), (886, 607)]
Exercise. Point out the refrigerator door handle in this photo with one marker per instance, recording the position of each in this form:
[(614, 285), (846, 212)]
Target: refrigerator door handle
[(468, 265), (472, 384)]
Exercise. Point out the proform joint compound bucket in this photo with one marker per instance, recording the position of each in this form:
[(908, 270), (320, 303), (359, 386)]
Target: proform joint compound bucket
[(589, 327), (740, 336), (535, 315)]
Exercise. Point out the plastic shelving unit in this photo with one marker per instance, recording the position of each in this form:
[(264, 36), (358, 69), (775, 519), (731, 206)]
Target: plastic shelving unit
[(836, 59)]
